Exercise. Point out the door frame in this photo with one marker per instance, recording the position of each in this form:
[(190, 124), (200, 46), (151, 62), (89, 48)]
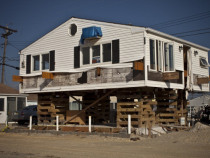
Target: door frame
[(3, 114)]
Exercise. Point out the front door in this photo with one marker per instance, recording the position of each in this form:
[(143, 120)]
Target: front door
[(3, 110)]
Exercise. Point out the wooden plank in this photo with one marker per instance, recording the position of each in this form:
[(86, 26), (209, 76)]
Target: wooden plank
[(166, 114), (170, 75), (128, 103), (47, 75), (167, 120), (126, 123), (17, 78), (202, 80), (167, 103), (185, 73), (129, 110), (138, 65)]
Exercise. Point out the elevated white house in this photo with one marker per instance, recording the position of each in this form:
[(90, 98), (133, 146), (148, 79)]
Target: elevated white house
[(128, 56), (96, 60)]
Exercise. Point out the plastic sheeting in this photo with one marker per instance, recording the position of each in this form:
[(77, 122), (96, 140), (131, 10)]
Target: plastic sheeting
[(90, 32)]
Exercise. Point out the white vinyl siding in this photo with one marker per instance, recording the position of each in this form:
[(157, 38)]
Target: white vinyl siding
[(178, 63), (131, 45), (198, 70)]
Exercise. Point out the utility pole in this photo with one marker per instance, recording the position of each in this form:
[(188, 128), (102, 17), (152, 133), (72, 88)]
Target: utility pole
[(5, 36)]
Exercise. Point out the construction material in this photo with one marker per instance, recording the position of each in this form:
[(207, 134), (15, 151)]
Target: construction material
[(80, 119)]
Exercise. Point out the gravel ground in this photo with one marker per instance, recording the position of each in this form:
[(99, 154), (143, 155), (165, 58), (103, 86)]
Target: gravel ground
[(193, 143)]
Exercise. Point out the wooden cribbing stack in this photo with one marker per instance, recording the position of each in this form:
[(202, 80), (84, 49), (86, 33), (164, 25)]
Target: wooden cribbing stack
[(50, 106), (141, 113)]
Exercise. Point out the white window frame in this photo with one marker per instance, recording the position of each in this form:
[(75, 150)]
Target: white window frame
[(155, 55), (164, 67), (32, 63), (91, 54), (41, 61), (160, 54)]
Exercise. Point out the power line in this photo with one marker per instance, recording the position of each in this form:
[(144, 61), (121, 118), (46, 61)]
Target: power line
[(183, 20), (191, 31), (13, 46), (195, 34)]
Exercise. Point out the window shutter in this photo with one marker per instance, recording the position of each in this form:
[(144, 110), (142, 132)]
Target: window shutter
[(115, 51), (52, 60), (28, 64), (77, 57)]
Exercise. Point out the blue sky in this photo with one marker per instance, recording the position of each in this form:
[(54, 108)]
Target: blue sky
[(34, 18)]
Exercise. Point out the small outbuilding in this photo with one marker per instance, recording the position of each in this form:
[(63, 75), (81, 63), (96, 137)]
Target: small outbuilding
[(10, 101)]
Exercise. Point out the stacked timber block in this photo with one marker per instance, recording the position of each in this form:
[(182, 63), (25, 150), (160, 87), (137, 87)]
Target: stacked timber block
[(100, 112), (167, 107), (80, 119), (141, 113), (51, 105)]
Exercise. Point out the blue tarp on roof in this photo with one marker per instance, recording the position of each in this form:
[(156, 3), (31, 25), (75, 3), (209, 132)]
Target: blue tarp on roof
[(90, 32)]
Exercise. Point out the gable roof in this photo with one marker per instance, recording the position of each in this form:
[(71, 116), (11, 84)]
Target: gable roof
[(150, 30), (4, 89)]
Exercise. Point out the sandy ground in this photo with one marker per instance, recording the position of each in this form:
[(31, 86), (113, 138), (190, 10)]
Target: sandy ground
[(194, 143)]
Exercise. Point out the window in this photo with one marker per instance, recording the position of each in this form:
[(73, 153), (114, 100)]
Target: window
[(101, 53), (45, 61), (169, 57), (96, 54), (159, 55), (152, 54), (107, 52), (36, 62), (203, 62), (1, 104), (74, 105), (86, 55)]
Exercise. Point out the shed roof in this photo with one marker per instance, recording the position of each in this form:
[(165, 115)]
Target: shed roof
[(4, 89)]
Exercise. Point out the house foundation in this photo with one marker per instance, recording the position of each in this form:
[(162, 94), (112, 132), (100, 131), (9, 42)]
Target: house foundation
[(147, 107)]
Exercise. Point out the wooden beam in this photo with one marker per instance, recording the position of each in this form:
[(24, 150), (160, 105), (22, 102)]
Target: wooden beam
[(98, 71), (185, 73), (95, 102), (17, 78), (202, 80), (170, 75), (138, 65), (47, 75)]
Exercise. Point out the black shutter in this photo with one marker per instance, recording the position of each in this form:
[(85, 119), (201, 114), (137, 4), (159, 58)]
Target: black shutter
[(77, 57), (28, 64), (115, 51), (52, 60)]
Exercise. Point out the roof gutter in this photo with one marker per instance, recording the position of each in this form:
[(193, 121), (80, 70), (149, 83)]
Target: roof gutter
[(187, 43)]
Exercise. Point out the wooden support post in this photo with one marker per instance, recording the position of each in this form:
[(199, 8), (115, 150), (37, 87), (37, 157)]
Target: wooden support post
[(95, 102)]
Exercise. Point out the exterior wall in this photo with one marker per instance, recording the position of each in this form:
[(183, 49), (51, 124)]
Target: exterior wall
[(178, 62), (131, 43), (132, 46), (199, 71)]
